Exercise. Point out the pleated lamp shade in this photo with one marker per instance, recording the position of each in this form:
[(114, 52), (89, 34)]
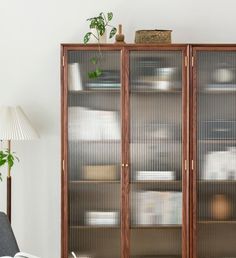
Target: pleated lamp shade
[(14, 125)]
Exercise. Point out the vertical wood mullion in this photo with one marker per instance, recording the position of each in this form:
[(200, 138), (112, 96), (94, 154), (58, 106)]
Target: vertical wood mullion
[(64, 155), (185, 156), (193, 129), (125, 187)]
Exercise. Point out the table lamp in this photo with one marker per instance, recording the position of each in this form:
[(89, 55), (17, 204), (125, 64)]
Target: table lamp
[(14, 126)]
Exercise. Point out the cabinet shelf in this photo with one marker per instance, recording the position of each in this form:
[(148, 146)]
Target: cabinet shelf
[(216, 182), (76, 227), (217, 141), (148, 91), (217, 222), (74, 182), (95, 91), (159, 226)]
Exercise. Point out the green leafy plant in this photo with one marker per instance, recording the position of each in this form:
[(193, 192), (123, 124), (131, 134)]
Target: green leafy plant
[(100, 24), (7, 157)]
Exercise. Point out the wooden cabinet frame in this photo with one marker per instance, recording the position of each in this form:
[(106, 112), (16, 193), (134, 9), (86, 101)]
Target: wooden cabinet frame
[(189, 139)]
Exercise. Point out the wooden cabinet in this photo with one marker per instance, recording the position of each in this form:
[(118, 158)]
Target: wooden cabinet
[(148, 151), (213, 151)]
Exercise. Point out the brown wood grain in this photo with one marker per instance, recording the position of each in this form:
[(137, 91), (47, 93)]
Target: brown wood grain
[(64, 157), (185, 143), (194, 155), (125, 170), (190, 155)]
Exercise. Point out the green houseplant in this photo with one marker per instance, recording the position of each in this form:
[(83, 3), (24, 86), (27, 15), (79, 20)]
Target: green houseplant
[(99, 24), (7, 158)]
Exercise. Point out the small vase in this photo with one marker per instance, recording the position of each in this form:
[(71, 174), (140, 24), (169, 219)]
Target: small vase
[(102, 39)]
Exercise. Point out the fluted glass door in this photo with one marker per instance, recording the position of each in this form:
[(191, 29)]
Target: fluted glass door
[(216, 153), (94, 148), (156, 90)]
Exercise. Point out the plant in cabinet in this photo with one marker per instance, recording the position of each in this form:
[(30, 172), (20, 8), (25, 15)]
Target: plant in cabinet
[(7, 157), (98, 28)]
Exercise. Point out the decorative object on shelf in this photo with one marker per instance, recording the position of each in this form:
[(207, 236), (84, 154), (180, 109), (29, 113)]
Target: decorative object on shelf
[(120, 38), (14, 125), (220, 207), (153, 36), (222, 79), (99, 25), (105, 172), (220, 165), (74, 77), (223, 75)]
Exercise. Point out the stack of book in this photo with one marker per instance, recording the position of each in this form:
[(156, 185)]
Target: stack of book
[(155, 175), (155, 208), (109, 79), (102, 218), (88, 124)]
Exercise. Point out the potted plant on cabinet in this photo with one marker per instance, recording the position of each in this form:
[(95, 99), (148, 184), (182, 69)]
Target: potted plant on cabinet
[(98, 26)]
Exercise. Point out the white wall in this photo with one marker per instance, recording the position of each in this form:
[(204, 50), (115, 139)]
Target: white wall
[(30, 35)]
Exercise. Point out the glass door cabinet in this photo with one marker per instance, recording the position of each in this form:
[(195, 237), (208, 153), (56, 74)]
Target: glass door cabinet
[(125, 151), (214, 152)]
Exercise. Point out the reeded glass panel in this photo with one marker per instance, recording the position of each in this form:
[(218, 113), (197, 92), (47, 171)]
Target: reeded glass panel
[(156, 153), (94, 137), (216, 153)]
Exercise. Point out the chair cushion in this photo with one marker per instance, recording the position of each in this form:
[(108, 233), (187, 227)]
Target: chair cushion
[(8, 244)]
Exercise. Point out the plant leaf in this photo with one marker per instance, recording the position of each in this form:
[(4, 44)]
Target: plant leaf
[(109, 16), (2, 162), (98, 72), (92, 75), (87, 37), (10, 160), (112, 32), (94, 60)]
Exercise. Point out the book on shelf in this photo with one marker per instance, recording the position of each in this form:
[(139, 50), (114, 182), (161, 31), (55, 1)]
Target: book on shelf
[(109, 79), (101, 218), (155, 175), (220, 87), (21, 255), (87, 124), (158, 208), (100, 172), (103, 85)]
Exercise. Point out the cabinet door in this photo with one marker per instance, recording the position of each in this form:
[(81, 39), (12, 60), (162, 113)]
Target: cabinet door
[(215, 153), (156, 178), (94, 148)]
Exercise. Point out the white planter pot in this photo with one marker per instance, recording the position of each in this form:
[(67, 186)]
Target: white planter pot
[(102, 39)]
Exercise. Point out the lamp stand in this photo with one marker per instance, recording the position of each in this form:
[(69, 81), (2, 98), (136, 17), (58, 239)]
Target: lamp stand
[(9, 186)]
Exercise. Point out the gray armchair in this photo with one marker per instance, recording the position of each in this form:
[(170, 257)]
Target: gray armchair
[(8, 244)]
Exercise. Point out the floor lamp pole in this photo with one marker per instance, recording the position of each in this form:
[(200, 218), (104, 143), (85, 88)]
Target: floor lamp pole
[(9, 186)]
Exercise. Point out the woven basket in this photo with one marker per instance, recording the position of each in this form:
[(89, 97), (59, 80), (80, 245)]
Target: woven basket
[(153, 36)]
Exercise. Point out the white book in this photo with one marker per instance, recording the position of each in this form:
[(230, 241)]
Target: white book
[(21, 255), (155, 175)]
